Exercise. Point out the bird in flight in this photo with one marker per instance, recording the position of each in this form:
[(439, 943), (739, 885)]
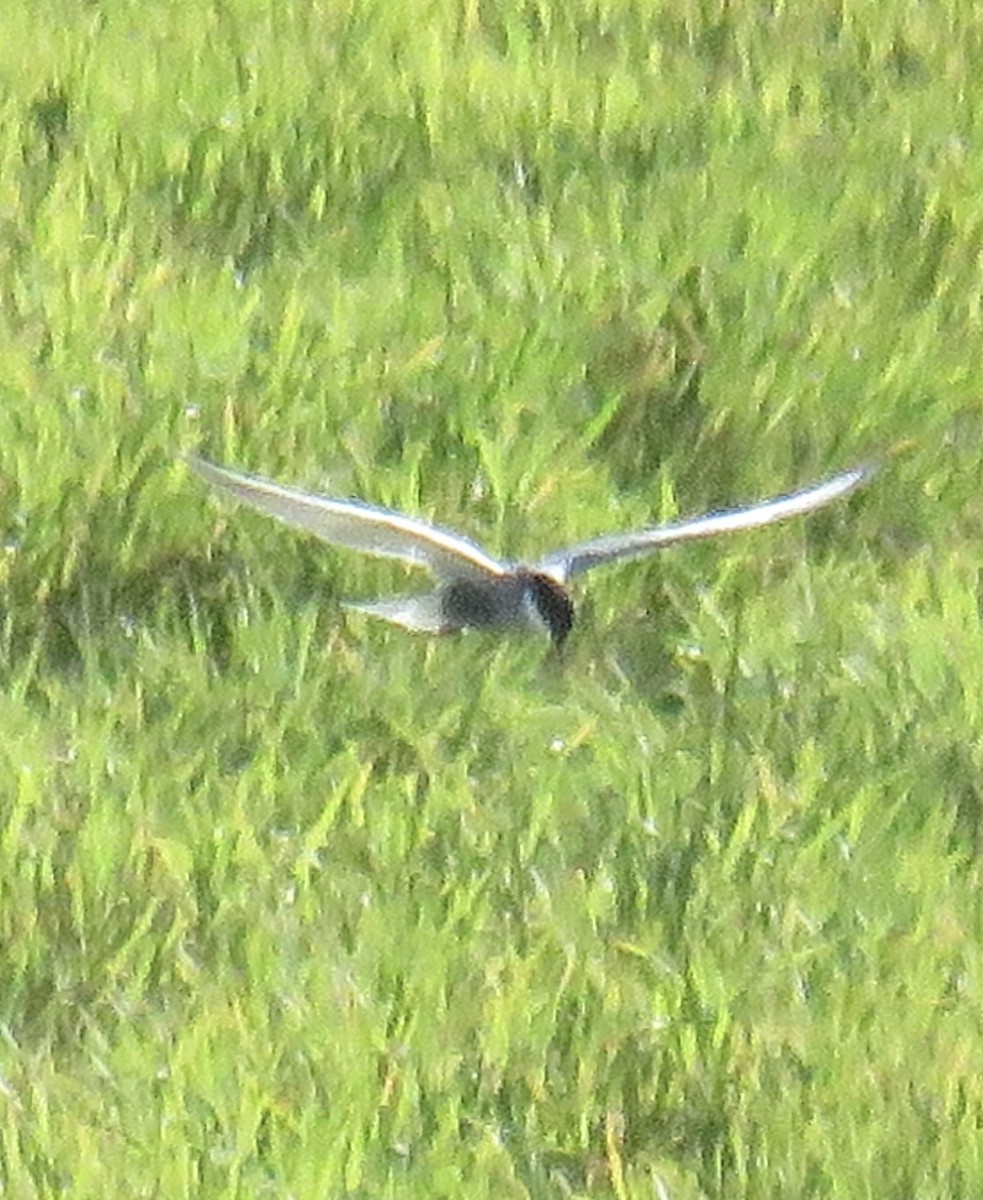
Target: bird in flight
[(477, 591)]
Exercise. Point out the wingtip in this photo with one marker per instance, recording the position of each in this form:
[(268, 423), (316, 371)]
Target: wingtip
[(203, 467), (866, 470), (861, 473)]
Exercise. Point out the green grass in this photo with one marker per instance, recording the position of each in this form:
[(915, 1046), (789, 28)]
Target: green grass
[(295, 904)]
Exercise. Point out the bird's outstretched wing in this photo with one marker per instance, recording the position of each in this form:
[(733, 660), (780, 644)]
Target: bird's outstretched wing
[(564, 564), (378, 531)]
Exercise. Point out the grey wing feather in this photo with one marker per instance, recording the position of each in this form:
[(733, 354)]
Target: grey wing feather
[(379, 531), (564, 564)]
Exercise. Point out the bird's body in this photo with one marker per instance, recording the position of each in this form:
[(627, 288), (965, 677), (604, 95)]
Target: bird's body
[(476, 590)]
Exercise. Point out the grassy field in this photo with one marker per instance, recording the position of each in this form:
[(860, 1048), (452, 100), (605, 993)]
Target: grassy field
[(295, 904)]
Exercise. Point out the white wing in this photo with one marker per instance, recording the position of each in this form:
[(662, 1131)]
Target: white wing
[(378, 531), (563, 564)]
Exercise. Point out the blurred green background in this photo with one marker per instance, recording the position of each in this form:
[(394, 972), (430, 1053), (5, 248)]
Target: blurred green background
[(296, 904)]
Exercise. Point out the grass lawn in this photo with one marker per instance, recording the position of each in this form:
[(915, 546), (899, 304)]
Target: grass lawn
[(296, 904)]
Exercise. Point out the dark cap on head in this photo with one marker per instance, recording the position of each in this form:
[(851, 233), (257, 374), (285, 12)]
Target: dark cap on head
[(553, 605)]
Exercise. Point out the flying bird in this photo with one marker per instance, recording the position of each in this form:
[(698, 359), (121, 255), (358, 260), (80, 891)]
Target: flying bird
[(476, 590)]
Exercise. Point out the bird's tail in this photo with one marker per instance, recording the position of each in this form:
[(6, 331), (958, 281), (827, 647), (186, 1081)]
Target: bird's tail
[(421, 613)]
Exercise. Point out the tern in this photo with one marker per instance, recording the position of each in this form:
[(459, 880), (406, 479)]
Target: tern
[(478, 591)]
